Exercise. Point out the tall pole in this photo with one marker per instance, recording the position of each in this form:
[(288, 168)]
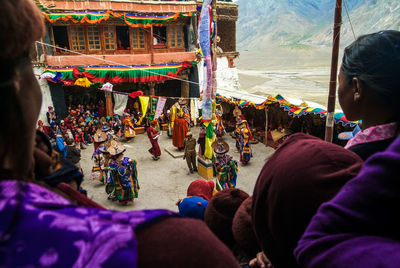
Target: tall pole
[(214, 50), (330, 117)]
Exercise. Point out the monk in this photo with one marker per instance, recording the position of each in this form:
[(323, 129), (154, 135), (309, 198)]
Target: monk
[(179, 131), (153, 135)]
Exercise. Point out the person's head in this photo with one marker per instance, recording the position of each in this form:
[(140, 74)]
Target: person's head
[(21, 24), (302, 174), (220, 212), (369, 78), (70, 141), (189, 135), (201, 188)]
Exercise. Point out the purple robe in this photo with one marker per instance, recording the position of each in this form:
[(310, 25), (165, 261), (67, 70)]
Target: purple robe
[(359, 227), (39, 228)]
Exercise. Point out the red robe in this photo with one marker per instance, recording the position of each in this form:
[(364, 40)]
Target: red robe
[(179, 132), (155, 149)]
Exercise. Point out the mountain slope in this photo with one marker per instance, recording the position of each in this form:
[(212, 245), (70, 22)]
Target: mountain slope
[(300, 23)]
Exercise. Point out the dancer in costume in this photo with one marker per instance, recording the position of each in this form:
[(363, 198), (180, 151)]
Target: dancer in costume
[(180, 130), (128, 130), (202, 140), (153, 135), (172, 116), (122, 184), (107, 130), (245, 137), (219, 128), (225, 167), (236, 133), (100, 139)]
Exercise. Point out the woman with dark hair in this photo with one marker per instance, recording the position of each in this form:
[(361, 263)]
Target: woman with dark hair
[(369, 90), (42, 227)]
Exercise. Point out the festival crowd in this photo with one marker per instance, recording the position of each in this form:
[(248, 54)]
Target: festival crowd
[(315, 204)]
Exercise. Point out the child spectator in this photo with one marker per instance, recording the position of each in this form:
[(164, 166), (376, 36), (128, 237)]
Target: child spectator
[(80, 138), (61, 146), (73, 153)]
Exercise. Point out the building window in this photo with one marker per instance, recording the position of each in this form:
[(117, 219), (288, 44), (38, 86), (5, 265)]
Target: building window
[(159, 36), (78, 38), (93, 35), (109, 42), (137, 38), (175, 36), (123, 41), (60, 34)]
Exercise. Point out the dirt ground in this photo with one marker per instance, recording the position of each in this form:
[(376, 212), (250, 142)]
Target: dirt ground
[(164, 182)]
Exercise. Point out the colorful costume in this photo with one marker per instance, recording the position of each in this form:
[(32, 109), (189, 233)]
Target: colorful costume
[(153, 137), (226, 170), (122, 183), (123, 176), (128, 130), (244, 142), (202, 140), (98, 161), (225, 167), (220, 129), (179, 131), (237, 136)]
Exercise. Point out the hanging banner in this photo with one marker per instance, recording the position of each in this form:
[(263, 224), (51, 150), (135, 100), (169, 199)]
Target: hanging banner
[(207, 110), (193, 111), (120, 102), (144, 103), (205, 28), (209, 74), (205, 45), (153, 105), (160, 107), (210, 138)]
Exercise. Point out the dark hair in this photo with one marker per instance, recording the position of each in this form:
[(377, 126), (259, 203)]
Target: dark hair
[(375, 60)]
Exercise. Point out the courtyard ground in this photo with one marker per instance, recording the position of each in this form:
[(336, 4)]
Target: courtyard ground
[(164, 182)]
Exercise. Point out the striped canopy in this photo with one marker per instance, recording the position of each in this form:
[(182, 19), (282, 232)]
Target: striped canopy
[(116, 74), (133, 20), (293, 110)]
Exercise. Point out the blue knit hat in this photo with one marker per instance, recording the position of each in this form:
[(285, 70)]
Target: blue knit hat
[(193, 207), (105, 127)]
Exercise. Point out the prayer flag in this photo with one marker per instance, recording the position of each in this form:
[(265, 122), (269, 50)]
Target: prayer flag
[(210, 138), (144, 103), (160, 107)]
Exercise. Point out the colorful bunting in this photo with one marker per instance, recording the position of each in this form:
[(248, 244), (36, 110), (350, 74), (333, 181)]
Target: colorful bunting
[(133, 20), (120, 74), (91, 17), (146, 21), (292, 109)]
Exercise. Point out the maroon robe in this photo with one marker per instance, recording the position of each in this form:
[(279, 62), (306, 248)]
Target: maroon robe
[(179, 132), (155, 149)]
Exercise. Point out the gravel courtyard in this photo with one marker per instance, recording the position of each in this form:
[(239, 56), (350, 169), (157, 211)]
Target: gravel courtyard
[(164, 182)]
